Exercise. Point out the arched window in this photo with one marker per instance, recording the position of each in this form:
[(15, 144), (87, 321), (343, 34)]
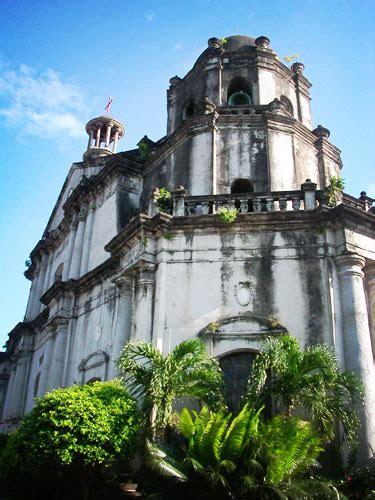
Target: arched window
[(236, 368), (239, 92), (242, 186), (59, 273), (288, 104), (189, 109)]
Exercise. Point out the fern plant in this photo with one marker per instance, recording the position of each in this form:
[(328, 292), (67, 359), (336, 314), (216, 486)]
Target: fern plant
[(240, 457)]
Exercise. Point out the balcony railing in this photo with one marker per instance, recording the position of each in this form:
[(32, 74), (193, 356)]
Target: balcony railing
[(308, 198)]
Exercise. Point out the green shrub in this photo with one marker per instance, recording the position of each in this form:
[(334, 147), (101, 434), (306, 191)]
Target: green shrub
[(228, 215), (164, 200), (78, 432)]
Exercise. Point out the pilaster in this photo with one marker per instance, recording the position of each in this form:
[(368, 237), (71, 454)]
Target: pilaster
[(56, 367), (143, 303), (357, 344), (124, 319), (370, 285), (78, 245), (47, 359)]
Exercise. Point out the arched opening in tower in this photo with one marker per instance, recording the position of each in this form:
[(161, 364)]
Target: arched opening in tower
[(288, 104), (239, 92)]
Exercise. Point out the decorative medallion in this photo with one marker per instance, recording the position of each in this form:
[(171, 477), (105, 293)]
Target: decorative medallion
[(243, 293)]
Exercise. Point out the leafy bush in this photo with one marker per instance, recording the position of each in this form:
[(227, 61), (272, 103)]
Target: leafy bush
[(336, 186), (164, 200), (228, 215), (78, 432)]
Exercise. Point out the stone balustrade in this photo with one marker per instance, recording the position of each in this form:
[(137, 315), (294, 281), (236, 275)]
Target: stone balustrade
[(308, 198)]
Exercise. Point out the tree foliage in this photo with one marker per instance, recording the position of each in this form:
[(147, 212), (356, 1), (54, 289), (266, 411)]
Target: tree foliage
[(308, 379), (79, 430), (242, 457), (158, 380)]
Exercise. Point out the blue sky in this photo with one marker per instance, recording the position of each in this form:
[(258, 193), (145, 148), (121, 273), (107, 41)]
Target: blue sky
[(60, 60)]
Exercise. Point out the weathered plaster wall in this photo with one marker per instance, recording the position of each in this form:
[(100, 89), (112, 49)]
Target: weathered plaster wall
[(241, 152)]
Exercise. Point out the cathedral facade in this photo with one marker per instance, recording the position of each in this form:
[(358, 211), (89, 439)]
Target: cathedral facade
[(121, 258)]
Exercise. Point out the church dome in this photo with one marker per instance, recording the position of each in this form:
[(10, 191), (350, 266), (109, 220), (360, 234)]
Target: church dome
[(239, 43), (234, 43)]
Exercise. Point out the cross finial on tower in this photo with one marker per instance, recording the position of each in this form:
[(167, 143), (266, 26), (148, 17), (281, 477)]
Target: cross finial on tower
[(108, 107)]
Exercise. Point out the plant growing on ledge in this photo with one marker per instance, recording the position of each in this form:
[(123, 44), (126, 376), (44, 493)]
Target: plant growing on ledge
[(336, 185), (214, 327), (144, 150), (228, 215), (164, 200)]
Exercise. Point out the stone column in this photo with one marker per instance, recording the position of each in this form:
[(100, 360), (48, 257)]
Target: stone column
[(122, 329), (78, 244), (70, 249), (18, 390), (115, 141), (97, 142), (108, 135), (143, 303), (47, 282), (91, 136), (56, 367), (87, 239), (47, 359), (9, 394), (41, 282), (32, 297), (357, 344), (370, 282)]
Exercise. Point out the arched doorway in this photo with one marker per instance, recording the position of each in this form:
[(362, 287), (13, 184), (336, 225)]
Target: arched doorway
[(236, 367)]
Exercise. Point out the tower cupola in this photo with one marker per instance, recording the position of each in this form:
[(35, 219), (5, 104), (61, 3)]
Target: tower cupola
[(104, 133)]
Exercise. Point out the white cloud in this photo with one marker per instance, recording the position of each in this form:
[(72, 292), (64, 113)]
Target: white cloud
[(150, 16), (41, 103)]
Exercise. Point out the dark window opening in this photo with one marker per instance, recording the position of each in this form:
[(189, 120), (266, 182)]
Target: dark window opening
[(242, 186), (288, 104), (239, 92), (36, 385), (189, 109)]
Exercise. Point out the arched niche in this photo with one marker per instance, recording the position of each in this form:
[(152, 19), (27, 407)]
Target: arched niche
[(288, 104), (188, 109), (58, 273), (239, 92), (94, 366)]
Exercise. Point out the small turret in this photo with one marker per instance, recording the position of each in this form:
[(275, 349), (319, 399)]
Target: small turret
[(104, 133)]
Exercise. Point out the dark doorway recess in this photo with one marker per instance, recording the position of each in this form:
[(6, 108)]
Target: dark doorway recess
[(236, 367)]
